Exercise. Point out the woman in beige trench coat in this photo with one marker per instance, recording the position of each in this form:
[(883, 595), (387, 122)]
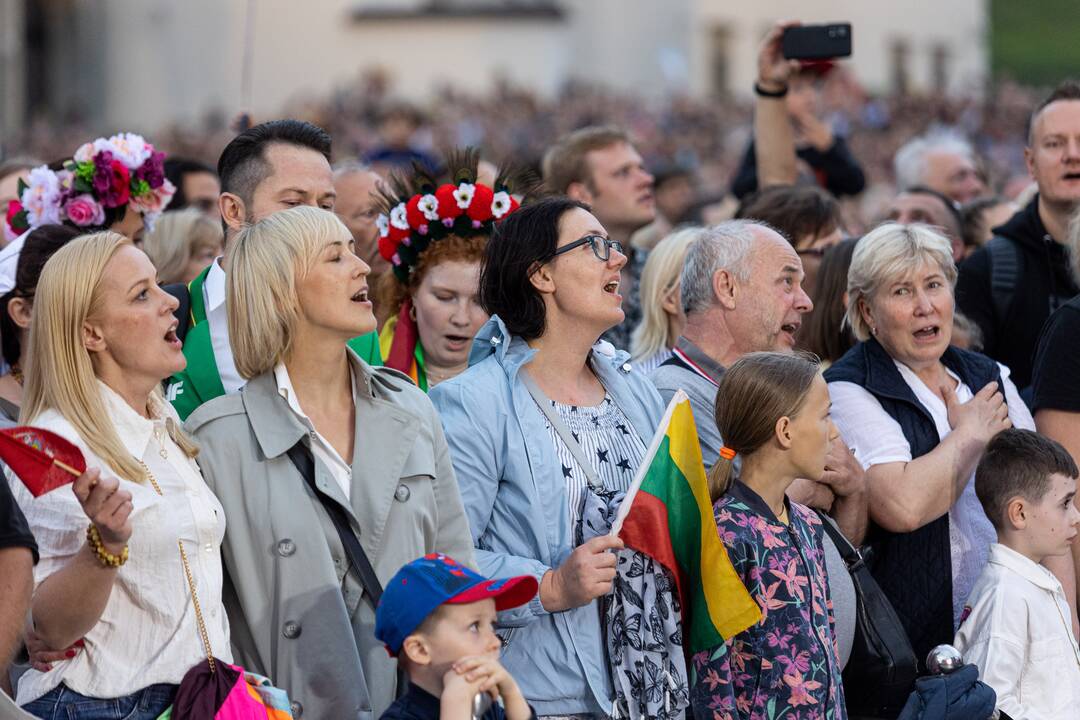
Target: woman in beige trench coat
[(299, 615)]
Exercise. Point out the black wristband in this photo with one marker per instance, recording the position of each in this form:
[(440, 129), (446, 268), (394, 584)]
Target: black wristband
[(762, 92)]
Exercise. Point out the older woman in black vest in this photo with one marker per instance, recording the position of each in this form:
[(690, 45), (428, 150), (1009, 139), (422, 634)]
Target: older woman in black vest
[(918, 412)]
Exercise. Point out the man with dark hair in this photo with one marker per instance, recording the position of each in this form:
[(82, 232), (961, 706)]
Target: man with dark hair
[(269, 167), (600, 167), (196, 185), (920, 204), (1010, 286)]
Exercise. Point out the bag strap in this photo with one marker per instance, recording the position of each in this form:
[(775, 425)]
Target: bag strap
[(190, 580), (564, 433), (1005, 260), (850, 554), (301, 457)]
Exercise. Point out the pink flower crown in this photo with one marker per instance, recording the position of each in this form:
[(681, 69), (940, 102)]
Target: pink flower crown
[(103, 174)]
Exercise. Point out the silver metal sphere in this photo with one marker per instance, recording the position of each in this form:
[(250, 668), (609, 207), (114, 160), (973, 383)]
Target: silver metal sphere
[(943, 660)]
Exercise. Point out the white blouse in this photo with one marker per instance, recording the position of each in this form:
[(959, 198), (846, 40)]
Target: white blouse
[(876, 438), (327, 454), (147, 633)]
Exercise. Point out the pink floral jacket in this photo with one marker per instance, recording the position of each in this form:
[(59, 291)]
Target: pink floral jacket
[(786, 666)]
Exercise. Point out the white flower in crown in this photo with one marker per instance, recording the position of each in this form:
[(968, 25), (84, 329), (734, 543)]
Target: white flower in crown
[(464, 195), (500, 204), (85, 153), (41, 198), (398, 218), (383, 223), (429, 205), (128, 148)]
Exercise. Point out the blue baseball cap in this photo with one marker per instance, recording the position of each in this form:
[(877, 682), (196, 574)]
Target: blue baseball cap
[(434, 580)]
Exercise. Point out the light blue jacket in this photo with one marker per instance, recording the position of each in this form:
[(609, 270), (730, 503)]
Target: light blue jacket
[(514, 494)]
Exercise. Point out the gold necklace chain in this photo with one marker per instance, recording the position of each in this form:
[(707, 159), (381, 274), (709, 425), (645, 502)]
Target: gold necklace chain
[(190, 580)]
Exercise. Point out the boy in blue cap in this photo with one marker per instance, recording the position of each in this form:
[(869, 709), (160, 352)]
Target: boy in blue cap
[(438, 618)]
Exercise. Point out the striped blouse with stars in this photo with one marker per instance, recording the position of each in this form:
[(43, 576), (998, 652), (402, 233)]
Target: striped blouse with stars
[(607, 438)]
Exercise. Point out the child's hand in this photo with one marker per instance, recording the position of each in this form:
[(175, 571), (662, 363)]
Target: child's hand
[(458, 693), (496, 681)]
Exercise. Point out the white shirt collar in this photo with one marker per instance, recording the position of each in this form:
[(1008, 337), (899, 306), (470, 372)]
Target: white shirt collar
[(286, 390), (135, 431), (214, 286), (1031, 571)]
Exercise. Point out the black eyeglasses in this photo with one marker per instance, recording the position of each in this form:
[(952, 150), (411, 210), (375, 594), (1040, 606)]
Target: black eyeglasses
[(601, 247)]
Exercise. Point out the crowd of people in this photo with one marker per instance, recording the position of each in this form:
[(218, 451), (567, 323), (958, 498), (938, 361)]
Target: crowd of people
[(363, 427)]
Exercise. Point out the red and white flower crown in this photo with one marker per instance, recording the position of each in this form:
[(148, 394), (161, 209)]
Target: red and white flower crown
[(420, 211)]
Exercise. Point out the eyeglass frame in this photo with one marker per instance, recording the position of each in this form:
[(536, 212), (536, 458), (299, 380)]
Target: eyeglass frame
[(591, 240)]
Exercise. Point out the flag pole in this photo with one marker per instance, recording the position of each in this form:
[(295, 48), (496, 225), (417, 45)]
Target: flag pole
[(64, 466)]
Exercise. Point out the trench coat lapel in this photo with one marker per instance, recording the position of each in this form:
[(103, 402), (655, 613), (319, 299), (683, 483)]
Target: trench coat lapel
[(277, 429)]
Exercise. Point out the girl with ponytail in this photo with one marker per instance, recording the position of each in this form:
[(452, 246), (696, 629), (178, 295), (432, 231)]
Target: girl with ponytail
[(772, 410)]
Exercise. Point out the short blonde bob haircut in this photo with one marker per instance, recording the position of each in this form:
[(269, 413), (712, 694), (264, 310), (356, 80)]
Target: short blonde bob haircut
[(266, 262), (60, 374), (888, 252), (660, 277)]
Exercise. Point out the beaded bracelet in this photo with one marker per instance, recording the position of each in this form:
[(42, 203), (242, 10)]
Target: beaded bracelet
[(106, 558)]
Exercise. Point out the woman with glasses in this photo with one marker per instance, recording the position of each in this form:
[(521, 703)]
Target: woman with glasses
[(545, 420)]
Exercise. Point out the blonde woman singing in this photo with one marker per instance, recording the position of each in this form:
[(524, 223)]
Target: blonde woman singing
[(101, 342)]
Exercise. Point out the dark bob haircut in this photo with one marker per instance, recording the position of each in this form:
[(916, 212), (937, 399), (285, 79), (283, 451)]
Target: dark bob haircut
[(526, 238), (40, 245)]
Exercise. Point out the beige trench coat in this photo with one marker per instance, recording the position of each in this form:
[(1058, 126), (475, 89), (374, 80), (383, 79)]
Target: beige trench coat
[(296, 615)]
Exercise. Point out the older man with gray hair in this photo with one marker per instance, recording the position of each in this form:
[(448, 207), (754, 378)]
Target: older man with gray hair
[(741, 288), (942, 160), (742, 292)]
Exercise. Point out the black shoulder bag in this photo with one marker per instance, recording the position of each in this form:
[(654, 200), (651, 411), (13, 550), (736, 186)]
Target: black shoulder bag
[(881, 671)]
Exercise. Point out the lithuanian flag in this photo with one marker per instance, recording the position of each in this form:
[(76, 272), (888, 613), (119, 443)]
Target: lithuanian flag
[(667, 515)]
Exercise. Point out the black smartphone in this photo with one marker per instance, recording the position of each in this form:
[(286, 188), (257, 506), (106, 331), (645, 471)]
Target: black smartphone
[(817, 42)]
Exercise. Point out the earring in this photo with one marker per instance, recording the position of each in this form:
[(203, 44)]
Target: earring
[(873, 330)]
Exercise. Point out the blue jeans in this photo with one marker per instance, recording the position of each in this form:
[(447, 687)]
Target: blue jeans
[(62, 703)]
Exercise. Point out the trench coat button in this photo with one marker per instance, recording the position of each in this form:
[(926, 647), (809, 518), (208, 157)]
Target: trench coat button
[(291, 630), (286, 547), (402, 493), (297, 709)]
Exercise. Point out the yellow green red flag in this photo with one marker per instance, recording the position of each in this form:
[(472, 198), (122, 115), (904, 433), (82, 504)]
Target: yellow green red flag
[(667, 515)]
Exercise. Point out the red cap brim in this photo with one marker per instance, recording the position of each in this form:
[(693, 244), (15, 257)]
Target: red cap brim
[(507, 593)]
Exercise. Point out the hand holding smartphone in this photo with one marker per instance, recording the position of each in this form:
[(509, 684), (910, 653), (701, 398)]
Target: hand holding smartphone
[(817, 42)]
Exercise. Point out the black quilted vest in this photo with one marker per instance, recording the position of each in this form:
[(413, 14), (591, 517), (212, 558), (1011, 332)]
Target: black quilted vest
[(914, 569)]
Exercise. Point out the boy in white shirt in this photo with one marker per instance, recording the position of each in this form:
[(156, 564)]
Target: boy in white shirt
[(1016, 625)]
